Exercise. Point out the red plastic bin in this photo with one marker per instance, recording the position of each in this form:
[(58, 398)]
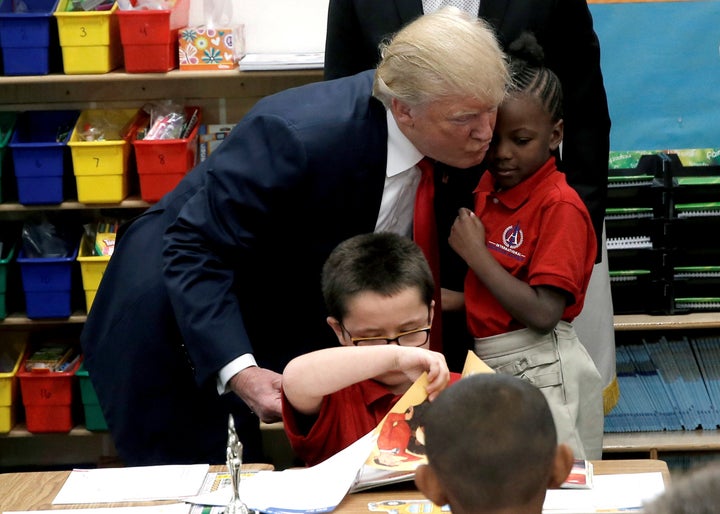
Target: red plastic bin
[(48, 398), (150, 37), (162, 163)]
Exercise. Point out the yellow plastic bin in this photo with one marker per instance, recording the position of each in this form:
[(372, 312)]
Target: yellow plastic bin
[(10, 357), (90, 41), (101, 167), (92, 268)]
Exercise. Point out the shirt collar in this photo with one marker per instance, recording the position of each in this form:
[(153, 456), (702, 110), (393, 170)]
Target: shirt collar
[(401, 154), (515, 196)]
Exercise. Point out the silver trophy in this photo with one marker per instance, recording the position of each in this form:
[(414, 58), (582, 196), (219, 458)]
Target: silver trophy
[(234, 465)]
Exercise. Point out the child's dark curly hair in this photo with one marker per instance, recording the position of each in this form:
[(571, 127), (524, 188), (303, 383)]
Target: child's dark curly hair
[(529, 75)]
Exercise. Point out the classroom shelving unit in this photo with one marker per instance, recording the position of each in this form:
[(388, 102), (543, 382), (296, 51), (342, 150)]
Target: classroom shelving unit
[(224, 96)]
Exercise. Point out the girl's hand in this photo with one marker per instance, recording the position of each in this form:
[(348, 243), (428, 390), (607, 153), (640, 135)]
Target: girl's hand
[(467, 235)]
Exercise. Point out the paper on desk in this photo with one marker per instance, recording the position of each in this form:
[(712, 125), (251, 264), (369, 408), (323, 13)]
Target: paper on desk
[(319, 488), (168, 508), (610, 493), (142, 483)]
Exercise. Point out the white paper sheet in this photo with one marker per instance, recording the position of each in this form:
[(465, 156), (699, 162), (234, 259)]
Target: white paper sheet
[(168, 508), (142, 483), (610, 493), (286, 61), (319, 488)]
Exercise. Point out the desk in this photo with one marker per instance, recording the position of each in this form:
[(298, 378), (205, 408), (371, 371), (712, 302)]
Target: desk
[(36, 490), (357, 503)]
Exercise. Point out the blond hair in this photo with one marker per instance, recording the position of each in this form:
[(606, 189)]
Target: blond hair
[(445, 53)]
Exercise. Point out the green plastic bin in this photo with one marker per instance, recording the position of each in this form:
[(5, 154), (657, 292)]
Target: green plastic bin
[(94, 419), (5, 257), (7, 124)]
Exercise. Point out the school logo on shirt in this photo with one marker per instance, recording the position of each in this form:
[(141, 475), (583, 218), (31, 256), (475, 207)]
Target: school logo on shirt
[(512, 239), (513, 236)]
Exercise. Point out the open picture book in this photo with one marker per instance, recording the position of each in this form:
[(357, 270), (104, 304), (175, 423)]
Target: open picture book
[(399, 446)]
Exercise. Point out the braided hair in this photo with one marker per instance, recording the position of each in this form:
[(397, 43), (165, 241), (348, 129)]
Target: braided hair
[(530, 76)]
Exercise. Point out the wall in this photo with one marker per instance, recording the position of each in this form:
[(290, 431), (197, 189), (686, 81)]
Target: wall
[(661, 67), (274, 25)]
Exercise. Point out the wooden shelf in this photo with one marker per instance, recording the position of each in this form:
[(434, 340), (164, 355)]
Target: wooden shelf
[(20, 430), (655, 443), (693, 320), (128, 203), (118, 87), (22, 321)]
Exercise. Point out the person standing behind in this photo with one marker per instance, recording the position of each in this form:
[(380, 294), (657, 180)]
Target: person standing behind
[(378, 289), (492, 447), (530, 246), (214, 289), (564, 29)]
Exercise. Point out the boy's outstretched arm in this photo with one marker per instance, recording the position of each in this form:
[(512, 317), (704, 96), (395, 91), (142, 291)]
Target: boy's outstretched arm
[(310, 377), (539, 308)]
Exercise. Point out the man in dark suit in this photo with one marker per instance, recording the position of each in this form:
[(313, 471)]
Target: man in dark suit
[(214, 289), (564, 29)]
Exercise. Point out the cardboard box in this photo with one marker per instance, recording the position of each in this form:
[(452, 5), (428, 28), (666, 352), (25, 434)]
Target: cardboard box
[(203, 48)]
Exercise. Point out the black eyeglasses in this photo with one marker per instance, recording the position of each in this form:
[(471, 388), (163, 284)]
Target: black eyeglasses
[(417, 337)]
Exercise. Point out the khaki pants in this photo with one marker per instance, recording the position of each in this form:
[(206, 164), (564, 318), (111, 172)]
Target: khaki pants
[(558, 364)]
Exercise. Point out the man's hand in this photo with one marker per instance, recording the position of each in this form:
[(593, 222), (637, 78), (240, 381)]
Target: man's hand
[(259, 388)]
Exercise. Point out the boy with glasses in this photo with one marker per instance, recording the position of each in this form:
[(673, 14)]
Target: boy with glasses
[(378, 289)]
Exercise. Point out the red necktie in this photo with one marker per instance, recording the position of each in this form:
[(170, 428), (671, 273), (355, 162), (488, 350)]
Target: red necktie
[(426, 237)]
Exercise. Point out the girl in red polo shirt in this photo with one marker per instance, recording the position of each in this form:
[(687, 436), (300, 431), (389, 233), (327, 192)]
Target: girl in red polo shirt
[(530, 247)]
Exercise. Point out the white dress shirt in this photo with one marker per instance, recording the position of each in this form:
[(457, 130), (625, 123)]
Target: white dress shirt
[(471, 6)]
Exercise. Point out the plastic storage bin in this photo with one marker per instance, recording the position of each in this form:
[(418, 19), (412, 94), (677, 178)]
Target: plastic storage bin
[(101, 167), (47, 282), (8, 250), (94, 419), (39, 150), (92, 268), (90, 41), (7, 124), (10, 358), (25, 37), (161, 164), (150, 37), (48, 398)]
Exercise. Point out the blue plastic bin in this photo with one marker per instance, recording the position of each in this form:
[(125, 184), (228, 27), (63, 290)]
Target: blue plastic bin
[(25, 36), (47, 282), (41, 155)]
